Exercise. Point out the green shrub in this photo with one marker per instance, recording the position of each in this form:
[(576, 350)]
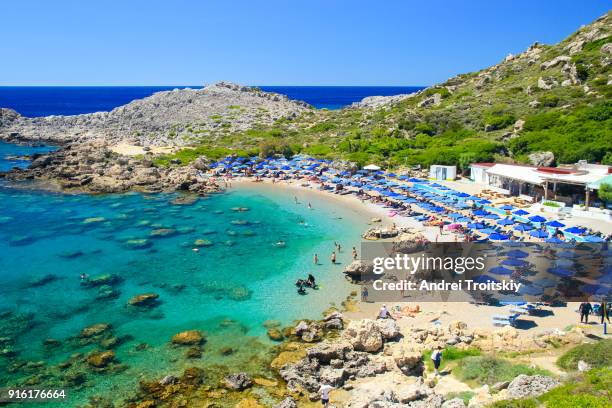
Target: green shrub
[(549, 100), (551, 204), (491, 370), (465, 396), (450, 354), (597, 354)]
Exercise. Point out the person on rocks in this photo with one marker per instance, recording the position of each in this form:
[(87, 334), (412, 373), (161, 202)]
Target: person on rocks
[(384, 313), (324, 391), (585, 310), (436, 357)]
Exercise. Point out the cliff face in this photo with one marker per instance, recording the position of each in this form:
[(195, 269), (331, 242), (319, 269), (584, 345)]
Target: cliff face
[(175, 117)]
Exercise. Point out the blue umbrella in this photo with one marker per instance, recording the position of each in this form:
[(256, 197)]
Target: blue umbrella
[(498, 237), (539, 234), (517, 253), (507, 207), (483, 201), (487, 231), (559, 271), (523, 227), (596, 289), (500, 270), (480, 212), (555, 224), (537, 218), (492, 216), (506, 221), (475, 225), (520, 212), (514, 262), (455, 216), (463, 195), (391, 175), (553, 240), (463, 219), (575, 230)]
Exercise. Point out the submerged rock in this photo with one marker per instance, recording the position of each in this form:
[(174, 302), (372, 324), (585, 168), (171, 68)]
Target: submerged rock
[(163, 232), (95, 330), (275, 334), (41, 280), (202, 243), (144, 300), (239, 381), (141, 243), (188, 338), (101, 359)]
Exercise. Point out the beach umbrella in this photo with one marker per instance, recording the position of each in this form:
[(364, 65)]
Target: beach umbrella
[(506, 221), (517, 253), (575, 230), (484, 201), (553, 240), (555, 224), (475, 225), (492, 216), (391, 175), (455, 216), (537, 218), (463, 219), (520, 212), (523, 227), (594, 238), (506, 207), (500, 270), (514, 262), (487, 231), (545, 283), (479, 213), (559, 271), (498, 237), (539, 234), (566, 254), (565, 263), (463, 195), (595, 289)]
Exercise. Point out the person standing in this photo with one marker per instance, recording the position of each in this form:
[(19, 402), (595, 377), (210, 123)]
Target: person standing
[(436, 357), (364, 293), (333, 257), (605, 313), (324, 391), (316, 259), (585, 310)]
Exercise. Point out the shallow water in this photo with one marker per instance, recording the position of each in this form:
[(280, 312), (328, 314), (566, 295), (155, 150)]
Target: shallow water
[(13, 155), (228, 289)]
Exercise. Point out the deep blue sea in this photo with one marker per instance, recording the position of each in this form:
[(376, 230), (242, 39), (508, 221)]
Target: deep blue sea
[(61, 100)]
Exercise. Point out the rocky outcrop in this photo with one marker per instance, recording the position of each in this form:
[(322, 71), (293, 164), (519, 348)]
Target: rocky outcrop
[(381, 101), (542, 159), (531, 386), (93, 167), (238, 381), (163, 119)]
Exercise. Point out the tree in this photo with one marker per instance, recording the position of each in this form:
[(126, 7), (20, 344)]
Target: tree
[(605, 192)]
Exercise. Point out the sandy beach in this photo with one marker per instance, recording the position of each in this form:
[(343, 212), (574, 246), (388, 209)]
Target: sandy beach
[(443, 313)]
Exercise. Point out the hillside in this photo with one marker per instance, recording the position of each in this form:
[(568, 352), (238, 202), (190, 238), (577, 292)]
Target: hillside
[(550, 98), (177, 117)]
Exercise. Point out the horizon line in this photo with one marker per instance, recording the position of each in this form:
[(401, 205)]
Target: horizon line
[(202, 86)]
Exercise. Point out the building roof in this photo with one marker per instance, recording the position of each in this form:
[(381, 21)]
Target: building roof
[(604, 180), (519, 173)]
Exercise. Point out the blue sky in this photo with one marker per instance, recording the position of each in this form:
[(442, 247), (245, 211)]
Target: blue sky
[(333, 42)]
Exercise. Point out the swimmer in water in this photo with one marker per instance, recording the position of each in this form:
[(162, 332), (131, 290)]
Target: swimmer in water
[(333, 257), (195, 249), (316, 259), (295, 198), (309, 206)]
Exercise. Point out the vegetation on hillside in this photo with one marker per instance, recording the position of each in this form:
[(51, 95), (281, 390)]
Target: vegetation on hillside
[(549, 98)]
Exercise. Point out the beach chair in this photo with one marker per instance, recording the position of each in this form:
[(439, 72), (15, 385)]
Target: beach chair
[(503, 320)]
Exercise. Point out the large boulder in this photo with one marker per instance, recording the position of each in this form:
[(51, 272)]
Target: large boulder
[(364, 335), (359, 269), (101, 359), (238, 381), (531, 386), (542, 159), (287, 403), (408, 360), (328, 350), (389, 329)]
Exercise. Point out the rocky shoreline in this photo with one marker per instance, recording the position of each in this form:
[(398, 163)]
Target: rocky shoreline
[(93, 167)]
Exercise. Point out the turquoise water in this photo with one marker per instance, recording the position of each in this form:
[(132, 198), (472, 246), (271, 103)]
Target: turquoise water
[(228, 289), (12, 155)]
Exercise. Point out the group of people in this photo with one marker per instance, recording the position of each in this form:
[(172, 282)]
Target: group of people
[(302, 284), (603, 309)]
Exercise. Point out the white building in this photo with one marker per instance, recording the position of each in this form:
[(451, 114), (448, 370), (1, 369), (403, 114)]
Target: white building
[(438, 172)]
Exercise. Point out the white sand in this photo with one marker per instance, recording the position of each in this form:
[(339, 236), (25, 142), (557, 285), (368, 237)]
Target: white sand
[(127, 149)]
